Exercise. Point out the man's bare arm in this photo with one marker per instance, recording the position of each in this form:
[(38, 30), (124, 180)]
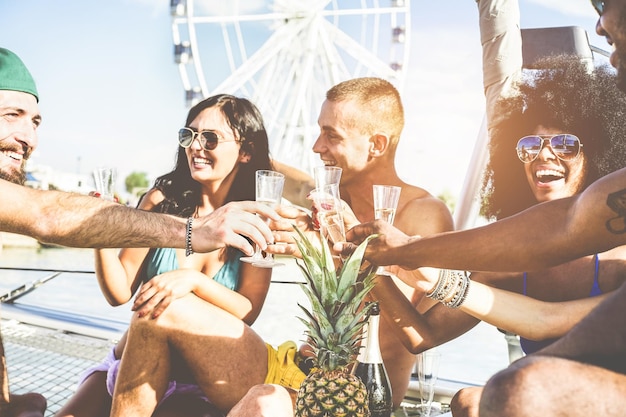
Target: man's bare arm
[(80, 221), (545, 235)]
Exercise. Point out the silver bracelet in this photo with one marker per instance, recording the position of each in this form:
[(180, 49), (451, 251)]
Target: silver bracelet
[(437, 289), (464, 297), (188, 248), (461, 292), (446, 284), (451, 285)]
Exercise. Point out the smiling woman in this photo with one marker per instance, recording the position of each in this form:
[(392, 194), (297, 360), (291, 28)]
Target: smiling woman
[(563, 99)]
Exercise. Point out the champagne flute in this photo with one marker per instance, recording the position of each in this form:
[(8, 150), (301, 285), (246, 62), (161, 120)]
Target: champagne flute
[(104, 178), (385, 204), (427, 369), (328, 207), (269, 191), (326, 175), (328, 203)]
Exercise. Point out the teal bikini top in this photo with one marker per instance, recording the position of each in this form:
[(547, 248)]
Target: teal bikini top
[(160, 260)]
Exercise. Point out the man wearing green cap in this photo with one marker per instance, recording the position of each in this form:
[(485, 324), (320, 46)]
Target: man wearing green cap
[(87, 222)]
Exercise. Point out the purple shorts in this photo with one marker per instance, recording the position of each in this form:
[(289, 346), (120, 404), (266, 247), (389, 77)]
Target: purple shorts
[(110, 365)]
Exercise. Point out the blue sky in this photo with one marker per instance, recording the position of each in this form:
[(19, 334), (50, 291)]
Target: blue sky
[(111, 93)]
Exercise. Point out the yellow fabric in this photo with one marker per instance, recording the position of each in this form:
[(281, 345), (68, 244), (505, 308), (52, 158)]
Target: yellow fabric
[(282, 368)]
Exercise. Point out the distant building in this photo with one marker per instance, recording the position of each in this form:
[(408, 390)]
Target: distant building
[(43, 177)]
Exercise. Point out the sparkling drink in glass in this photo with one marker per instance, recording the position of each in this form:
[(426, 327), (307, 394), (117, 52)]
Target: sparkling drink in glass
[(329, 212), (386, 199), (269, 190)]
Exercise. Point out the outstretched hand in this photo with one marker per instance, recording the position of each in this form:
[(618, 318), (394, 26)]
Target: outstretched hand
[(231, 224), (284, 233), (382, 250)]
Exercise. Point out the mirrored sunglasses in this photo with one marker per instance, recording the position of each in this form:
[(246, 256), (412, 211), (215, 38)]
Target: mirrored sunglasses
[(207, 138), (565, 147), (598, 5)]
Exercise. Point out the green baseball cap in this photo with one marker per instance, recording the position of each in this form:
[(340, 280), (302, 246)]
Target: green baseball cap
[(14, 75)]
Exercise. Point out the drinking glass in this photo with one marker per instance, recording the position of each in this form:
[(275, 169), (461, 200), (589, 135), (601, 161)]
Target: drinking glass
[(385, 204), (269, 191), (104, 178), (328, 206), (326, 175), (427, 370)]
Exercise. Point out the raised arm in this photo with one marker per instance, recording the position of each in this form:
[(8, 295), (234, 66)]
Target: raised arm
[(501, 40)]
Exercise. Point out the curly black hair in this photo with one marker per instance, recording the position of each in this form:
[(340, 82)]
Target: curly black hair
[(182, 192), (565, 94)]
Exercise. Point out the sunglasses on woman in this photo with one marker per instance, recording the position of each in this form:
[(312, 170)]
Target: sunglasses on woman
[(598, 5), (565, 147), (207, 138)]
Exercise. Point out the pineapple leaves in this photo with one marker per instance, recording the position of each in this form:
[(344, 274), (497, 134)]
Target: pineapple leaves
[(351, 267), (335, 320)]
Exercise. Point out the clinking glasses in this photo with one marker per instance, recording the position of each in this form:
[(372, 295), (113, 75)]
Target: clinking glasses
[(598, 5), (207, 138), (565, 147)]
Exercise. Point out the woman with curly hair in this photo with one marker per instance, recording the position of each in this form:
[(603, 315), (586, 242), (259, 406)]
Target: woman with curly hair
[(558, 132), (555, 131), (565, 96)]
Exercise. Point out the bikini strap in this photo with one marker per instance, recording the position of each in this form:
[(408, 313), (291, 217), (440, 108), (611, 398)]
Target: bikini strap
[(595, 288)]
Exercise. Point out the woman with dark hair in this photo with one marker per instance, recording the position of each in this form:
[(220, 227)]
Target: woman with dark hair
[(222, 145), (566, 96), (182, 191), (557, 130)]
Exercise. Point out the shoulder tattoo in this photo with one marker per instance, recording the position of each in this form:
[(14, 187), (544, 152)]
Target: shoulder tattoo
[(617, 202)]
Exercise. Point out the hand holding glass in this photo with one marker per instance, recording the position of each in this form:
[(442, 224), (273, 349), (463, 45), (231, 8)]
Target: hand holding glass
[(269, 191), (385, 204)]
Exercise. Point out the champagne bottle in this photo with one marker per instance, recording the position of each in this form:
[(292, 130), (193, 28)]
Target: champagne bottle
[(371, 370)]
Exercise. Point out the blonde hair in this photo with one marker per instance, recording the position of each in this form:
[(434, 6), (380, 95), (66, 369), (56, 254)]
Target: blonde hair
[(381, 107)]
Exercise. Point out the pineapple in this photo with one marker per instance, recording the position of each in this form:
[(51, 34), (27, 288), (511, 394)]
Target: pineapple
[(334, 331)]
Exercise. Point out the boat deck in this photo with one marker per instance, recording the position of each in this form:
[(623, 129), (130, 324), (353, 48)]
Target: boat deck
[(48, 348), (51, 361), (48, 361)]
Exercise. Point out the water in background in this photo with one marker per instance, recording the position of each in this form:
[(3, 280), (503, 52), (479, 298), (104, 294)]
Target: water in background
[(472, 358)]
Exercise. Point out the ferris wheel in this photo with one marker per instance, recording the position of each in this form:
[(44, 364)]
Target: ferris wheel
[(285, 54)]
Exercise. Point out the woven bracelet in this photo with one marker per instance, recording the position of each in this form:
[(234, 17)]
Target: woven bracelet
[(188, 248)]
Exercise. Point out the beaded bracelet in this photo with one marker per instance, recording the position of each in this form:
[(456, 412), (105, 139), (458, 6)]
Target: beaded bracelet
[(464, 296), (452, 286), (188, 248), (437, 289), (454, 292), (460, 294), (446, 283)]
